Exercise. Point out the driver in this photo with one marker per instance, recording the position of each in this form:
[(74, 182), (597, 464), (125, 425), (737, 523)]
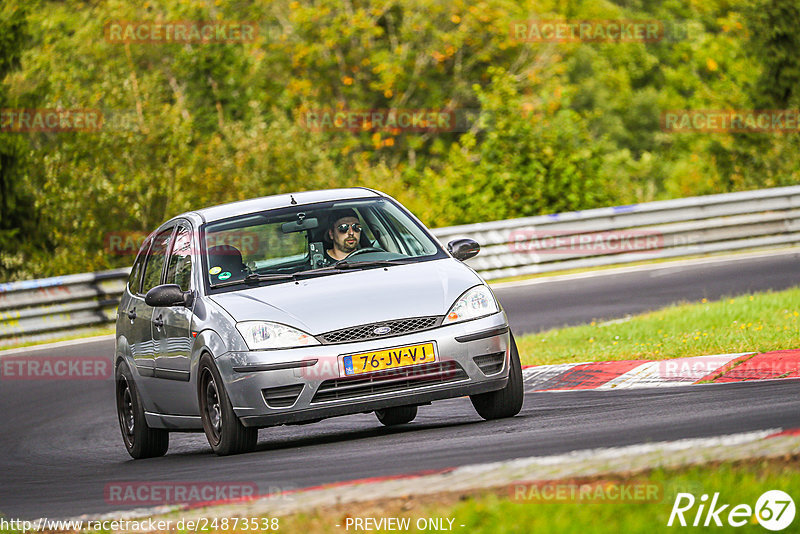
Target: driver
[(345, 234)]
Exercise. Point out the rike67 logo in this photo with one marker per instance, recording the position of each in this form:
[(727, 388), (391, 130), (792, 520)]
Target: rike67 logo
[(774, 510)]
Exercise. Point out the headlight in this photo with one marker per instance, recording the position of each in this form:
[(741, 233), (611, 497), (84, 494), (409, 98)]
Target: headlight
[(473, 303), (264, 335)]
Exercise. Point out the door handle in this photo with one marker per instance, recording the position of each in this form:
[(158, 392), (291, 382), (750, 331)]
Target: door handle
[(158, 321), (132, 314)]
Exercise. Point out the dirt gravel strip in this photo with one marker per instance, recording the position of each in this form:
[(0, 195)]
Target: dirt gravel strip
[(771, 443)]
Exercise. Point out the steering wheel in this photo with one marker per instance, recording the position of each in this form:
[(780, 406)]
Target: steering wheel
[(367, 249)]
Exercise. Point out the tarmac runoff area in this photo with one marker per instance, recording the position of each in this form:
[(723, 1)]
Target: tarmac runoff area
[(518, 477), (522, 473)]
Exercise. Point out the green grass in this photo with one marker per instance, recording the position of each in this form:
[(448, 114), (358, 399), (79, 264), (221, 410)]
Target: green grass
[(736, 486), (499, 511), (749, 323)]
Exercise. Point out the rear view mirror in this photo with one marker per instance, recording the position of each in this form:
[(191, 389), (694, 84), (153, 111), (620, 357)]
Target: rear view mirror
[(300, 224), (167, 295), (463, 249)]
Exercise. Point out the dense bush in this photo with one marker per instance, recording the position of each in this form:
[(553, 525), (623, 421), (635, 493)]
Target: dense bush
[(560, 126)]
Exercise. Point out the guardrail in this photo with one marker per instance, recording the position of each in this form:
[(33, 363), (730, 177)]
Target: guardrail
[(31, 309), (624, 234), (591, 238)]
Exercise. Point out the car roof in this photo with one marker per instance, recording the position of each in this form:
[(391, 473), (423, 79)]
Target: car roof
[(242, 207)]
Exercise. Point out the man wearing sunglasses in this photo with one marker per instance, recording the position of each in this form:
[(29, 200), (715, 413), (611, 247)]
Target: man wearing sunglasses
[(344, 233)]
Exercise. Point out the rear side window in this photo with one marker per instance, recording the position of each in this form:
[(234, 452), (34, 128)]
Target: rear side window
[(179, 270), (155, 260), (135, 279)]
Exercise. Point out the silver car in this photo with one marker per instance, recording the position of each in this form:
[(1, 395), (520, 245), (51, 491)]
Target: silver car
[(293, 308)]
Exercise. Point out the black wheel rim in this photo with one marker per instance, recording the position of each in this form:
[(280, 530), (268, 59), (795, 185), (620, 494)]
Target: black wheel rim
[(213, 407), (127, 419)]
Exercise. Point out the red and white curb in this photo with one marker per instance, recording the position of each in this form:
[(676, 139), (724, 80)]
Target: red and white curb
[(624, 374)]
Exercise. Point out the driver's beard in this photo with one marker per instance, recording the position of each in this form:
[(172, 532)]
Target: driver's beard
[(347, 249)]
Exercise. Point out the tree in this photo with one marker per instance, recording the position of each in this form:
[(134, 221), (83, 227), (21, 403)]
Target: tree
[(16, 217), (775, 43)]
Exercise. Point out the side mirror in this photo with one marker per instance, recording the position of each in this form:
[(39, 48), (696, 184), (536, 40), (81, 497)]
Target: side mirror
[(167, 295), (463, 249)]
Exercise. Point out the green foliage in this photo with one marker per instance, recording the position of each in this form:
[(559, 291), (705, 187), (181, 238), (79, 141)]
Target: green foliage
[(15, 198), (775, 41), (526, 163), (562, 126), (752, 323)]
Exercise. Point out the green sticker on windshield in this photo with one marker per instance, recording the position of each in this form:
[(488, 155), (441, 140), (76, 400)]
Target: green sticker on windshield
[(215, 270), (224, 276)]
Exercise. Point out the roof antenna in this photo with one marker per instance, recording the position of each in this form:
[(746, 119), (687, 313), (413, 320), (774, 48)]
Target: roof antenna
[(293, 200)]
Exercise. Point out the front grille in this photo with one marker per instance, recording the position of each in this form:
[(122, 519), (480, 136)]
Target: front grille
[(490, 364), (367, 331), (283, 396), (404, 378)]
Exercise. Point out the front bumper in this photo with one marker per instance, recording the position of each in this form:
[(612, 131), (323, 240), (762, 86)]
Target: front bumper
[(270, 388)]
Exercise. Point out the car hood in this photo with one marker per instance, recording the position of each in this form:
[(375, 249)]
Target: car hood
[(351, 298)]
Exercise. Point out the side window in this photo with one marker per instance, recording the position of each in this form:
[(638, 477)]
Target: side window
[(410, 237), (155, 260), (135, 279), (179, 270)]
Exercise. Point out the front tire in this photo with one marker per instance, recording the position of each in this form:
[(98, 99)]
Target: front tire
[(140, 440), (225, 433), (398, 415), (506, 402)]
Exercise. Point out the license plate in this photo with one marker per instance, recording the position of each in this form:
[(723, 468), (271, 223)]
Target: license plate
[(368, 362)]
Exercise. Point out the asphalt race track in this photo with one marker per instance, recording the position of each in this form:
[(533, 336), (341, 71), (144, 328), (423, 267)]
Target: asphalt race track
[(555, 304), (60, 444)]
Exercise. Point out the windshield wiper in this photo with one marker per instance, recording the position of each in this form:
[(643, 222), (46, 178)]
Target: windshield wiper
[(350, 264), (339, 266), (254, 278)]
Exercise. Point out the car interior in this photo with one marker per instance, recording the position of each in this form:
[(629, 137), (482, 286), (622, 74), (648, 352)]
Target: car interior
[(381, 234), (229, 259)]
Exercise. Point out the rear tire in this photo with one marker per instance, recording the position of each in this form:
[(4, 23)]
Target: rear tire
[(398, 415), (506, 402), (225, 433), (140, 440)]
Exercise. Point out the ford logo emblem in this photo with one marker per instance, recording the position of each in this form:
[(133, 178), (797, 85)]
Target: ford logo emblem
[(382, 330)]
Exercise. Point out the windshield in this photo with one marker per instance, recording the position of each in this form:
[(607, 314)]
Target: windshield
[(318, 239)]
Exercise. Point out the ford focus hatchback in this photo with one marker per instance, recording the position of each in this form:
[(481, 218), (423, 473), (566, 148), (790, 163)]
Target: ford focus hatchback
[(294, 308)]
